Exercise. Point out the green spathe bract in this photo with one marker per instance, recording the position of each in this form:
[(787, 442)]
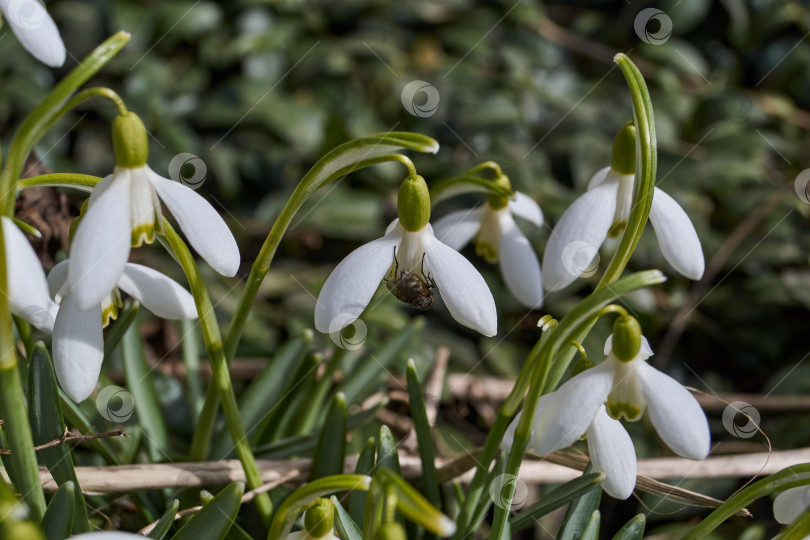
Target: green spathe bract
[(413, 204), (623, 155), (130, 144)]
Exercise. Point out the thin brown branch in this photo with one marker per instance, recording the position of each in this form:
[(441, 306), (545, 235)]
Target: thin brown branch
[(70, 436)]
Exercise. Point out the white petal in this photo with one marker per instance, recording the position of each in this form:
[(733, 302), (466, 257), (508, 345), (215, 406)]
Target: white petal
[(519, 265), (526, 207), (28, 289), (463, 289), (350, 286), (203, 226), (33, 26), (790, 504), (569, 411), (676, 235), (675, 413), (456, 229), (598, 178), (78, 348), (161, 295), (576, 239), (100, 248), (612, 453), (57, 278)]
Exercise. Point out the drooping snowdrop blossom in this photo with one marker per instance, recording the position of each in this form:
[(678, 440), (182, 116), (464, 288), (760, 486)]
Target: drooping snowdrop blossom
[(78, 341), (412, 261), (790, 504), (27, 287), (603, 210), (609, 446), (124, 209), (35, 29), (627, 385), (498, 239)]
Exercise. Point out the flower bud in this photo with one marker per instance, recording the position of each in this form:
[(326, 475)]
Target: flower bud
[(130, 143), (626, 338), (390, 531), (495, 201), (319, 519), (623, 156), (413, 204)]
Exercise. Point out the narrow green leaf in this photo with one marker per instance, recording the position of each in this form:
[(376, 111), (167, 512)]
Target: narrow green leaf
[(555, 499), (414, 506), (369, 374), (47, 424), (794, 476), (591, 531), (58, 519), (260, 400), (192, 351), (165, 522), (314, 409), (147, 406), (345, 525), (365, 466), (423, 436), (331, 450), (387, 455), (305, 444), (633, 529), (216, 517), (283, 418), (578, 515)]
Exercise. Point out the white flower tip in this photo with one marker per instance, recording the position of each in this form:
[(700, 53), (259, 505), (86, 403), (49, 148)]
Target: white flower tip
[(447, 527), (433, 148)]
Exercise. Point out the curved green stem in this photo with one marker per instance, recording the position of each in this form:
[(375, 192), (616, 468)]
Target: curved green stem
[(341, 161), (791, 477), (47, 112), (302, 497), (12, 407), (219, 368), (84, 182), (543, 377)]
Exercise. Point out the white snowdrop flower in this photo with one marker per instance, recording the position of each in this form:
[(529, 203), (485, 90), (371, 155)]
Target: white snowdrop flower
[(603, 210), (790, 504), (498, 239), (628, 386), (414, 261), (124, 210), (27, 287), (34, 27), (609, 446), (78, 341)]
